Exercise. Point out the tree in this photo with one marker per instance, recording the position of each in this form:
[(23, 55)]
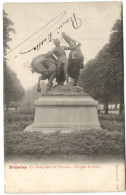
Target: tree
[(13, 91), (7, 28), (95, 78), (103, 78), (31, 94), (117, 70)]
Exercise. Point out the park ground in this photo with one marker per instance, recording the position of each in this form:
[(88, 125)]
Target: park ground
[(91, 145)]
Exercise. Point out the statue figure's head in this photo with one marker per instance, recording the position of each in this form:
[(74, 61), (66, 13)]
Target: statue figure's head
[(56, 42)]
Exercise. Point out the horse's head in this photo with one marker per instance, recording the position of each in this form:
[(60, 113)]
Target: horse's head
[(69, 40)]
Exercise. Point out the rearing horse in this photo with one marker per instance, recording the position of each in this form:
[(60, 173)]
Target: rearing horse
[(46, 66)]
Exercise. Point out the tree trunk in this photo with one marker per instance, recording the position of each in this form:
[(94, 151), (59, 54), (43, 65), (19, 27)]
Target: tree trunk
[(116, 106), (106, 104), (121, 104), (15, 108)]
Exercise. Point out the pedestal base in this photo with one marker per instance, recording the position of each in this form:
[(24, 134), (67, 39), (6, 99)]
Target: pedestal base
[(65, 114)]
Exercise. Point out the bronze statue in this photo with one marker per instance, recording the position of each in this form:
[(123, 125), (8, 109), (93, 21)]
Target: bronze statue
[(59, 52), (49, 67), (75, 59), (46, 66)]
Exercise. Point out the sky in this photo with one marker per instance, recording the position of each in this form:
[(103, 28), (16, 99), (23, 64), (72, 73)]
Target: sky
[(95, 21)]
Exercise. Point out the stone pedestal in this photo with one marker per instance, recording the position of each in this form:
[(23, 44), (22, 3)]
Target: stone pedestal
[(65, 113)]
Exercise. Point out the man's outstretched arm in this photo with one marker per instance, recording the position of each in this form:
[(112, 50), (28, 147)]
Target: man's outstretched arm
[(71, 48)]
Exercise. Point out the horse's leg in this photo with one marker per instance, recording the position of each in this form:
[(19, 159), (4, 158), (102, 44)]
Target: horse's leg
[(58, 71), (76, 79), (75, 82), (65, 71), (38, 86), (49, 84)]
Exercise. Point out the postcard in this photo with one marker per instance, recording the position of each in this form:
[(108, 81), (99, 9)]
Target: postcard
[(63, 97)]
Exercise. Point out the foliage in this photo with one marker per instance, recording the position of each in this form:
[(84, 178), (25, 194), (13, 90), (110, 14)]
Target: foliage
[(27, 109), (112, 117), (31, 94), (103, 77), (92, 143), (11, 117), (13, 91), (7, 28)]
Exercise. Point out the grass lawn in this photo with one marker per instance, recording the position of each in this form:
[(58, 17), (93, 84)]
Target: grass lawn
[(88, 144)]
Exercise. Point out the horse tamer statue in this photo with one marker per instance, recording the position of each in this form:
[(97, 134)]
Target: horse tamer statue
[(47, 64)]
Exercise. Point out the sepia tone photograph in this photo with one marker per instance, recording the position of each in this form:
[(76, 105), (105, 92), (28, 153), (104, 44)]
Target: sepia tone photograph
[(63, 97)]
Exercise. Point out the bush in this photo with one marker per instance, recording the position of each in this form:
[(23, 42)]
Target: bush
[(16, 126), (27, 109), (12, 117), (32, 118), (17, 118), (94, 143), (25, 118), (87, 142), (120, 118), (9, 119), (112, 126), (112, 117)]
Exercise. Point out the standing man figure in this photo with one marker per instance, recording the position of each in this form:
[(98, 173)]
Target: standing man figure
[(59, 52)]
